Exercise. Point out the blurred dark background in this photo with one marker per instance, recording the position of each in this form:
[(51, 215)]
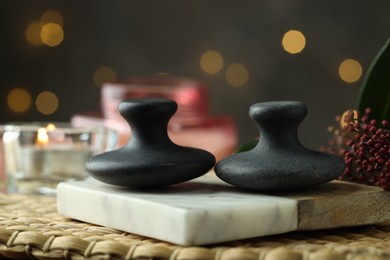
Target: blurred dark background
[(55, 54)]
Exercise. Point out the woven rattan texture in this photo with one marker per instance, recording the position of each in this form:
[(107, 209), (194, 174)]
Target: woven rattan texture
[(31, 228)]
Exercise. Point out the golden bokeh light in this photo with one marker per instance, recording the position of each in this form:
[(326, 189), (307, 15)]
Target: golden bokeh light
[(353, 114), (237, 75), (46, 103), (293, 41), (103, 74), (52, 16), (19, 100), (350, 70), (211, 62), (47, 31), (33, 34), (52, 34)]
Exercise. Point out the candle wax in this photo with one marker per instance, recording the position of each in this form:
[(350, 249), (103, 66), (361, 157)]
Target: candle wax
[(54, 163)]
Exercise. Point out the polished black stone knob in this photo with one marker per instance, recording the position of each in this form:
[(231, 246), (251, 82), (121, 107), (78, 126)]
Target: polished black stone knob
[(279, 161), (150, 159)]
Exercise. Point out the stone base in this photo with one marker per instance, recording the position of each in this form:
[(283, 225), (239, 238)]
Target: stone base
[(206, 210)]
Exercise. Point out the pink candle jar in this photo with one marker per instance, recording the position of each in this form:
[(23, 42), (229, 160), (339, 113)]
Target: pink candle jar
[(190, 126)]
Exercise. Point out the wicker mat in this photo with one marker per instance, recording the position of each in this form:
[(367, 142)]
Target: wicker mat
[(30, 227)]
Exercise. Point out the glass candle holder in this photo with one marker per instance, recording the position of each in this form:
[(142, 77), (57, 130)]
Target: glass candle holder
[(38, 156)]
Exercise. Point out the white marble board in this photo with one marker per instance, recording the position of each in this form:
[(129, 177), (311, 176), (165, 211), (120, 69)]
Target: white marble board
[(206, 211)]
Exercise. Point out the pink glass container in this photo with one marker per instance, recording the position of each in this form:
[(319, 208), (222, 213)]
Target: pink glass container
[(190, 126), (191, 95)]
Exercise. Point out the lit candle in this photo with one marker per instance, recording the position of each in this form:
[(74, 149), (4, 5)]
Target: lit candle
[(54, 161), (37, 158), (32, 156)]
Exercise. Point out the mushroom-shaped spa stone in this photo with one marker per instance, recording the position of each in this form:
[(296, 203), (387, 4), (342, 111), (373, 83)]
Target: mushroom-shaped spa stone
[(150, 159), (279, 161)]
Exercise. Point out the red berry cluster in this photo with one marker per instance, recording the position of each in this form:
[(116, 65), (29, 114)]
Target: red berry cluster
[(365, 146)]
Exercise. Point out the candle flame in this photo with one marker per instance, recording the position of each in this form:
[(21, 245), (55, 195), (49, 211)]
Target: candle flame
[(42, 137), (51, 127)]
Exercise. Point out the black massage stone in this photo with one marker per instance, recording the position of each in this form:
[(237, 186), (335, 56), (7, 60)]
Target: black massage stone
[(279, 162), (150, 159)]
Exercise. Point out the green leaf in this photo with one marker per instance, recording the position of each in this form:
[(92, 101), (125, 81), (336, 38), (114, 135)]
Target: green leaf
[(375, 90), (248, 146)]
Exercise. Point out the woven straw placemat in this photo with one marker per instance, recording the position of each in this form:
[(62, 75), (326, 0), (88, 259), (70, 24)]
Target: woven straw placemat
[(30, 227)]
